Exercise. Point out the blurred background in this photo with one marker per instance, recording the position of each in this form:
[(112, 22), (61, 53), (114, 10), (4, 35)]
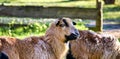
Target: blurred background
[(28, 26)]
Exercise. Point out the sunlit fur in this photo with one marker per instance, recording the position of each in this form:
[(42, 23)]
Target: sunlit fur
[(50, 46), (91, 45)]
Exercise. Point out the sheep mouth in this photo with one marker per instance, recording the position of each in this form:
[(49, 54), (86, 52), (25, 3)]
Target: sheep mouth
[(71, 36)]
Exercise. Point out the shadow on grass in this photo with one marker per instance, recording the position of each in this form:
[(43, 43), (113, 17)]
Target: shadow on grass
[(70, 1), (111, 26), (60, 1), (119, 39), (38, 2), (112, 9), (112, 19)]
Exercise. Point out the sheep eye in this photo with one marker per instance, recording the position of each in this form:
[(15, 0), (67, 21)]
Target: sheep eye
[(74, 23), (61, 25)]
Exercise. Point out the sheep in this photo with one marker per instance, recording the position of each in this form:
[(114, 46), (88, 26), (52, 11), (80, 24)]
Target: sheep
[(3, 56), (54, 45), (91, 45)]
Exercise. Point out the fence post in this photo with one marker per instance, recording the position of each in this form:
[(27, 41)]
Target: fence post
[(99, 20)]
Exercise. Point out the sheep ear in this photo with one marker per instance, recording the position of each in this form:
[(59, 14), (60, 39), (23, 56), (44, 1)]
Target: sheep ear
[(74, 23), (2, 40), (58, 22)]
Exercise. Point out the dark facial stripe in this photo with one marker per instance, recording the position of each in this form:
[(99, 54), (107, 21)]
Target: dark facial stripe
[(74, 23), (57, 23), (66, 24)]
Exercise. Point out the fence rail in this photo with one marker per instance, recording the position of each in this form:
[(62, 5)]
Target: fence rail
[(55, 12), (48, 12)]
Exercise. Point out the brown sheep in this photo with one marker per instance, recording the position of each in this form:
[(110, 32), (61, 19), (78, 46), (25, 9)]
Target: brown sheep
[(54, 45), (91, 45)]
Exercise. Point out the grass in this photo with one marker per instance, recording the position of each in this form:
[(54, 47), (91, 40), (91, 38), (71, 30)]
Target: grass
[(111, 12), (81, 4)]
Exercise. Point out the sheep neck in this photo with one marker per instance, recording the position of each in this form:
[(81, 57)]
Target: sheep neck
[(59, 47)]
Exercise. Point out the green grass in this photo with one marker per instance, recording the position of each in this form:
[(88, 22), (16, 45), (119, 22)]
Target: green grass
[(81, 4), (111, 12), (10, 1)]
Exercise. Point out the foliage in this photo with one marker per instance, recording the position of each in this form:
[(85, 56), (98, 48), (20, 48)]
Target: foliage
[(81, 26), (33, 29)]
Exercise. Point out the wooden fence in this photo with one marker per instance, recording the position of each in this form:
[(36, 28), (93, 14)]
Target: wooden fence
[(55, 12)]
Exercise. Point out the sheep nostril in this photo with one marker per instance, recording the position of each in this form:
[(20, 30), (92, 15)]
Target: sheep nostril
[(77, 33)]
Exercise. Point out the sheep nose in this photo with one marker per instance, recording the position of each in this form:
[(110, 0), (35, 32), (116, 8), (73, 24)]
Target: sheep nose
[(77, 33)]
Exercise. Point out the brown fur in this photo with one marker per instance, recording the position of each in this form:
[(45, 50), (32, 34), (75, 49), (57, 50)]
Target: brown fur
[(21, 49), (50, 46), (91, 45)]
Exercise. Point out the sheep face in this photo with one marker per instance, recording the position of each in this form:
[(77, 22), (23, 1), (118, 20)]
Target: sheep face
[(66, 28)]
